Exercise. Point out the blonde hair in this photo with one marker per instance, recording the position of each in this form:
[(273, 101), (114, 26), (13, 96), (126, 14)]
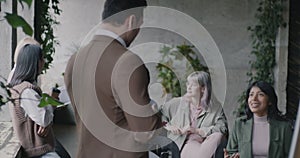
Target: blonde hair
[(22, 43), (204, 80)]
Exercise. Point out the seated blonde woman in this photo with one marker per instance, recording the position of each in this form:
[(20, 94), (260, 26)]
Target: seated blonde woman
[(196, 122)]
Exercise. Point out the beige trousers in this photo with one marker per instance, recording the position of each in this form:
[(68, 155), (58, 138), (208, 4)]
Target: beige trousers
[(206, 149)]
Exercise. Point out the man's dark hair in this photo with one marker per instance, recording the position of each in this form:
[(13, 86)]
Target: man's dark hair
[(112, 7)]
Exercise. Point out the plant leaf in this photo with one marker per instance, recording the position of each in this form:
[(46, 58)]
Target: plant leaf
[(28, 2), (17, 21), (48, 100)]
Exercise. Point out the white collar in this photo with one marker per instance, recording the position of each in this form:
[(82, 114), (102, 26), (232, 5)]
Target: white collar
[(111, 34)]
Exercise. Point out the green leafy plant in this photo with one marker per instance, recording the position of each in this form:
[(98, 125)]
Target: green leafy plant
[(5, 93), (172, 56), (44, 23), (263, 34), (48, 100), (45, 12), (45, 100), (16, 20)]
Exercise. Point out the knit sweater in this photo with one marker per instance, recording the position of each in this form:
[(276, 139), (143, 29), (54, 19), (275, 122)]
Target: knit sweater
[(25, 128), (260, 137)]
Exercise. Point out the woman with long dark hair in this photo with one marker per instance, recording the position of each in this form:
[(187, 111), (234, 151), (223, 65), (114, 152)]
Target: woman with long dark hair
[(31, 123), (263, 132), (21, 44)]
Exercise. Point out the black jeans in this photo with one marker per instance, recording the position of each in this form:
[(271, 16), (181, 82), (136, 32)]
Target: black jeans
[(164, 152), (60, 150)]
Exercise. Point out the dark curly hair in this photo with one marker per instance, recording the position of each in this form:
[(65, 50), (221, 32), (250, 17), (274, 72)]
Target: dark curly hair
[(273, 111)]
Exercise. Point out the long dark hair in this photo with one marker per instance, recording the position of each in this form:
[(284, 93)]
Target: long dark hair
[(273, 111), (27, 66)]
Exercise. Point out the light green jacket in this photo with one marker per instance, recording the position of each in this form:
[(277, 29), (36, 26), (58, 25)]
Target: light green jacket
[(240, 139), (177, 112)]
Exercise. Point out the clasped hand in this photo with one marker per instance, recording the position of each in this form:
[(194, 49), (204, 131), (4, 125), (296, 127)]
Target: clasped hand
[(185, 130)]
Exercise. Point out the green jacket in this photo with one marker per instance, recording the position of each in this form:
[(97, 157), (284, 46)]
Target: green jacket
[(177, 112), (240, 139)]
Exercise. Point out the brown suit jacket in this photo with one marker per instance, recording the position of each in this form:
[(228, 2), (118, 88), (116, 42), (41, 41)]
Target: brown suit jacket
[(108, 87)]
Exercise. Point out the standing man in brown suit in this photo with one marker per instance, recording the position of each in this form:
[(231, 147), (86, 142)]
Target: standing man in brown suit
[(108, 87)]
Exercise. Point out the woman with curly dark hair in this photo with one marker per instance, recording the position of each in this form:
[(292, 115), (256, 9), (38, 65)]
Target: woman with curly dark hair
[(263, 132)]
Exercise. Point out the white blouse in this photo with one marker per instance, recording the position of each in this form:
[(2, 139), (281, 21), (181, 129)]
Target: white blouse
[(30, 100)]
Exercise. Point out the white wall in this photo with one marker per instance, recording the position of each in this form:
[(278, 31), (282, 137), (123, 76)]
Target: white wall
[(5, 44), (5, 41), (77, 18), (5, 53), (225, 20)]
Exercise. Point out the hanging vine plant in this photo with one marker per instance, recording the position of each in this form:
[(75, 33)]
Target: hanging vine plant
[(44, 21), (45, 12), (263, 35)]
